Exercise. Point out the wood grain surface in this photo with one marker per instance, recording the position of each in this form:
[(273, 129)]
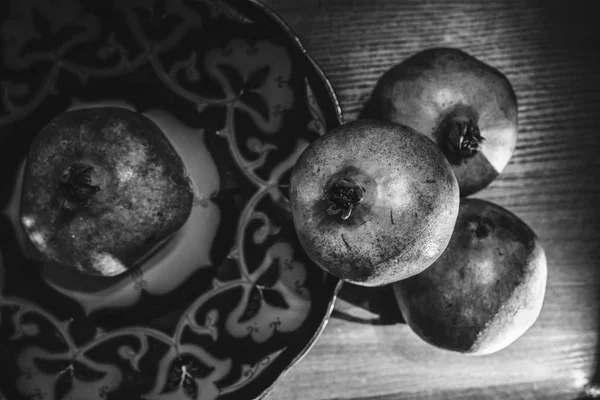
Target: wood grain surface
[(549, 52)]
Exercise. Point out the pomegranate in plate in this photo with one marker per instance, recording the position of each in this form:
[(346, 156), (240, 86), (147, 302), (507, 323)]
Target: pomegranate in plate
[(102, 188)]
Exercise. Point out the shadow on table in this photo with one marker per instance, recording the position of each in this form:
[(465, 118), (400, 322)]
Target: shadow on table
[(367, 305)]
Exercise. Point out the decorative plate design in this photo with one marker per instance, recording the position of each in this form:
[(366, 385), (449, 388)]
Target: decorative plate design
[(232, 302)]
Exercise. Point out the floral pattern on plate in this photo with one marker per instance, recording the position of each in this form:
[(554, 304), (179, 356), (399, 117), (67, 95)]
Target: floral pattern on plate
[(232, 302)]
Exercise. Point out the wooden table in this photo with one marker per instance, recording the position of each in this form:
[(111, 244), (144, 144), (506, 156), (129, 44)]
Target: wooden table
[(549, 53)]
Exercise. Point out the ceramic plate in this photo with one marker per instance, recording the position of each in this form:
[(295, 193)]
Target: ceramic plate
[(231, 302)]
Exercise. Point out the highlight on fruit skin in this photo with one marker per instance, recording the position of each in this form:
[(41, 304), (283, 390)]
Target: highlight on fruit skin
[(485, 291), (102, 188), (468, 108), (373, 202)]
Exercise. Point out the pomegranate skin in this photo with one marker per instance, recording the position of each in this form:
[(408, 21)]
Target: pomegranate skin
[(457, 101), (487, 288), (408, 209), (102, 188)]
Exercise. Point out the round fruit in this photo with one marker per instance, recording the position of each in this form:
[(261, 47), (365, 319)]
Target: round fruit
[(486, 289), (464, 105), (102, 188), (373, 202)]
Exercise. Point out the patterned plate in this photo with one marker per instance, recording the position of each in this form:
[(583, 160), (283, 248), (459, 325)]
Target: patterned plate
[(231, 303)]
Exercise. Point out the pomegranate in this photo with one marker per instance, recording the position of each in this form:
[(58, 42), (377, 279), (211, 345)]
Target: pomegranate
[(373, 202), (486, 289), (102, 188), (464, 105)]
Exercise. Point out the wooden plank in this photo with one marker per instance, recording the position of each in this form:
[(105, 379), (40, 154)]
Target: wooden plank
[(549, 53)]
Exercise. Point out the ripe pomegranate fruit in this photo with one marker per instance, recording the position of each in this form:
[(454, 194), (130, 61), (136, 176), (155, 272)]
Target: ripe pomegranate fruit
[(102, 188), (373, 202), (485, 290), (464, 105)]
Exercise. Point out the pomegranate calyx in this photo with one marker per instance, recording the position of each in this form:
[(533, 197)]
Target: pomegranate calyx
[(343, 197), (76, 186), (464, 138)]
